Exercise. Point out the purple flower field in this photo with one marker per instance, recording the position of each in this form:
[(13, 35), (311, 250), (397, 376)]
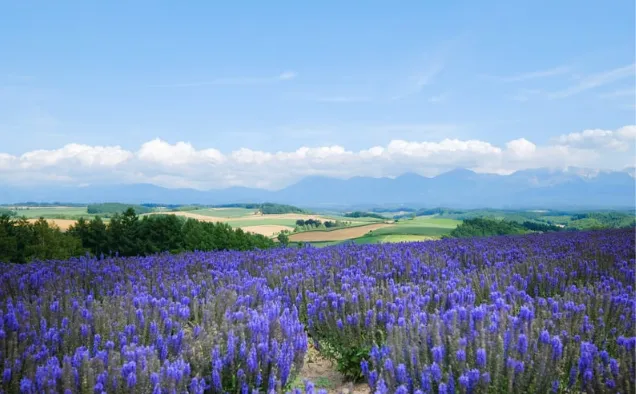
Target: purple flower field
[(524, 314)]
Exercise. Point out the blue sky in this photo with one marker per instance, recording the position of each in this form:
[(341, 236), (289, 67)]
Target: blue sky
[(278, 76)]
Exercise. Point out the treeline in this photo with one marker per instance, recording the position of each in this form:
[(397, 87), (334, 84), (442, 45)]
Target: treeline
[(267, 208), (412, 213), (481, 227), (22, 241), (7, 212), (603, 220), (271, 209), (123, 235), (111, 208), (312, 224), (238, 205), (361, 214)]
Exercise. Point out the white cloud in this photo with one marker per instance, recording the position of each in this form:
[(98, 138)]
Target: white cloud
[(619, 140), (75, 154), (183, 165), (521, 148), (181, 153)]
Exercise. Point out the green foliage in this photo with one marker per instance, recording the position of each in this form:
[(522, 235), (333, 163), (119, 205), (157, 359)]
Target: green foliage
[(486, 227), (283, 238), (22, 241), (540, 227), (480, 227), (598, 220), (7, 212), (186, 208), (308, 223), (347, 347), (267, 208), (112, 208), (125, 235), (314, 224), (360, 214), (48, 212), (271, 208), (239, 205)]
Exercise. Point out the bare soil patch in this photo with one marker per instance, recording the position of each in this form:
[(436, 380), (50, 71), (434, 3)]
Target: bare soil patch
[(63, 224), (336, 235), (267, 229), (322, 373)]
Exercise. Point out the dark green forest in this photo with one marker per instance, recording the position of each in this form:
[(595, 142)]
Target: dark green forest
[(125, 235), (111, 208), (267, 208), (361, 214), (482, 227)]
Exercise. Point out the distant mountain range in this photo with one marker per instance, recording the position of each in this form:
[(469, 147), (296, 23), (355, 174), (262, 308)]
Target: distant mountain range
[(539, 188)]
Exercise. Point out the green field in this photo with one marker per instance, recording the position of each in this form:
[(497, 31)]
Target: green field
[(224, 212), (261, 221), (391, 238), (426, 226), (353, 220), (413, 230), (431, 221), (423, 228), (52, 212), (377, 239)]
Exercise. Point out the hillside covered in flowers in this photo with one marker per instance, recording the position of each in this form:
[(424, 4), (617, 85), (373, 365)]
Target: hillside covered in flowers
[(512, 314)]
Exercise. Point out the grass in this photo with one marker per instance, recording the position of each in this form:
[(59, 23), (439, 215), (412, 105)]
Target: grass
[(423, 228), (413, 230), (261, 221), (225, 212), (391, 238), (353, 220), (431, 221), (319, 382), (325, 229), (325, 243), (53, 212), (377, 239)]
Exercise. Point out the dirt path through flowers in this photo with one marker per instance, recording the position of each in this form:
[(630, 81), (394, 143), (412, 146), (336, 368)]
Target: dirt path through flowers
[(323, 374)]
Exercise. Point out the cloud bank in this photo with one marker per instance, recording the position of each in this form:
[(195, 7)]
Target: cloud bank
[(183, 165)]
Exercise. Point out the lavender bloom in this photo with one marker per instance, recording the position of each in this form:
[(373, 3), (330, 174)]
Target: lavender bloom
[(401, 374), (152, 323), (557, 348), (436, 372), (481, 358), (461, 355), (522, 344), (555, 386), (438, 354)]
